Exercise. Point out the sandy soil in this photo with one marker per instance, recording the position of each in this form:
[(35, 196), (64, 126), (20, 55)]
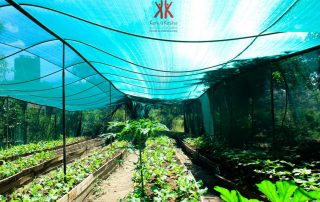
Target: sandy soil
[(118, 184)]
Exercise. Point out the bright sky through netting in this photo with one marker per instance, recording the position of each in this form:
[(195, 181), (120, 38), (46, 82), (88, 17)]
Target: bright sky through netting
[(176, 57)]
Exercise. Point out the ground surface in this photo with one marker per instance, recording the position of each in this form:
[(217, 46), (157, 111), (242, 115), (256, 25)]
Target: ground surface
[(118, 184)]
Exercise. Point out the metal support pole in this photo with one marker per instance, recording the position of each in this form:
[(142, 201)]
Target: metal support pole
[(64, 115), (110, 96), (110, 109), (7, 119), (125, 113), (274, 142), (141, 169)]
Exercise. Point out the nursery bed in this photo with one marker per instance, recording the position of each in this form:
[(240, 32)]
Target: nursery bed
[(82, 190), (77, 184), (118, 185), (215, 168), (11, 158), (74, 151), (164, 176)]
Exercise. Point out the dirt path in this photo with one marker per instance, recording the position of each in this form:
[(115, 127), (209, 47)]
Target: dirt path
[(118, 184)]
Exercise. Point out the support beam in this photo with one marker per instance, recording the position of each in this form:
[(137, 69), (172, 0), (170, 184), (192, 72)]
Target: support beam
[(7, 120), (273, 129), (110, 96), (64, 114)]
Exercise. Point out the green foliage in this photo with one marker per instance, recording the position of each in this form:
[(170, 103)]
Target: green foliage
[(232, 196), (281, 191), (35, 147), (169, 115), (10, 168), (178, 124), (197, 143), (164, 178), (52, 186), (205, 143), (306, 175), (108, 136), (119, 115), (276, 75), (136, 131), (309, 128), (286, 191)]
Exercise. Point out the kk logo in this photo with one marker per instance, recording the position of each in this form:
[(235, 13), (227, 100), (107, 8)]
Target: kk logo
[(166, 9)]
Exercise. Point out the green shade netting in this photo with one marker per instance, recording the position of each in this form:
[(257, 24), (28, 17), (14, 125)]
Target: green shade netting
[(142, 56)]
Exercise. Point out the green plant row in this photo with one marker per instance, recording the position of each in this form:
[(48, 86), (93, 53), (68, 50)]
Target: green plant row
[(163, 177), (35, 147), (10, 168), (208, 145), (51, 187), (306, 175), (281, 191), (197, 142)]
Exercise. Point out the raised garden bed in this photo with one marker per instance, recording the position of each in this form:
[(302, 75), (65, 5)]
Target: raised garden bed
[(16, 152), (74, 151), (215, 167), (244, 169), (82, 190), (164, 177), (51, 187)]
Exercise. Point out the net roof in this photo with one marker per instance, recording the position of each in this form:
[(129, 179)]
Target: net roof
[(124, 49)]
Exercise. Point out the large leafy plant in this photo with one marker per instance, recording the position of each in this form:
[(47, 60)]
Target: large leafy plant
[(281, 191), (137, 132), (232, 196)]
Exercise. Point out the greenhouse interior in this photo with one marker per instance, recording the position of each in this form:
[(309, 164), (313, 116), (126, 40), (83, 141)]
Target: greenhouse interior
[(163, 100)]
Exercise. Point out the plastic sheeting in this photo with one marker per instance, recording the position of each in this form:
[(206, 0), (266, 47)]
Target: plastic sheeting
[(143, 56)]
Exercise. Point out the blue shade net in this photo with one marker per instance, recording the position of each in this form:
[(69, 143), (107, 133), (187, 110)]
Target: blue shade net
[(123, 49)]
